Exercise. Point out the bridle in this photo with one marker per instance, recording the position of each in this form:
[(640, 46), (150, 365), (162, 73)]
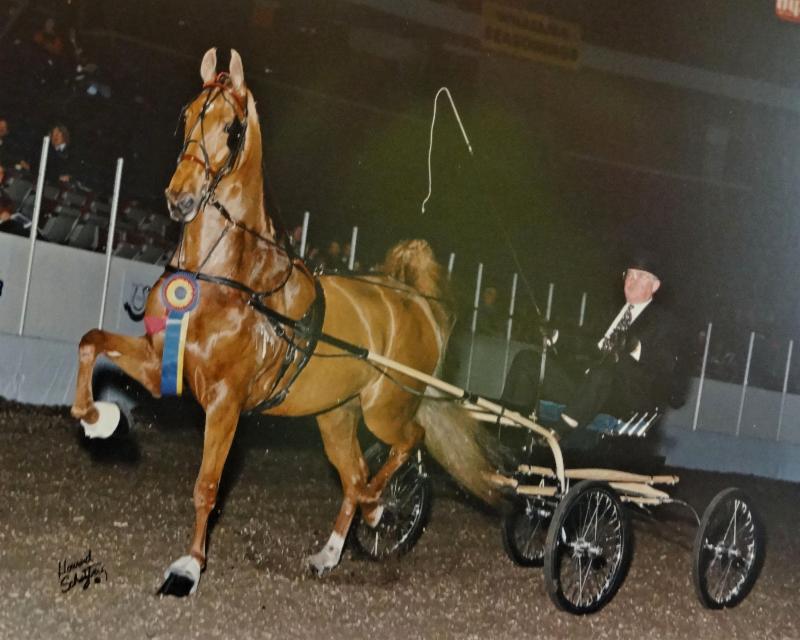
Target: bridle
[(237, 131)]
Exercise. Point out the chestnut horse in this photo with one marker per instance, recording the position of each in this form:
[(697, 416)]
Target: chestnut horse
[(236, 357)]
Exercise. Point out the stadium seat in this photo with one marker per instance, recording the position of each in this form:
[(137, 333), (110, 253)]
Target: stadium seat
[(18, 189), (150, 253), (137, 215), (85, 235), (155, 227), (126, 250), (50, 192), (75, 199), (100, 207), (59, 226)]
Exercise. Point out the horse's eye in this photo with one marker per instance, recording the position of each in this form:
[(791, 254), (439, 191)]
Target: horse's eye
[(234, 131)]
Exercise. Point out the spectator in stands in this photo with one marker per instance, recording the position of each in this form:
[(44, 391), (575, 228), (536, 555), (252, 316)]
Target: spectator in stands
[(345, 258), (59, 160), (10, 151), (48, 40), (296, 238), (51, 69), (331, 258), (8, 224), (86, 78), (490, 318), (3, 142)]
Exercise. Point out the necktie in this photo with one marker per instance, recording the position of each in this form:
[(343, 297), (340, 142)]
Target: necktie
[(617, 337)]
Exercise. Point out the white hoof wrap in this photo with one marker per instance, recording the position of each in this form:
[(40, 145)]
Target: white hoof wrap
[(107, 422), (329, 557), (375, 516), (188, 567)]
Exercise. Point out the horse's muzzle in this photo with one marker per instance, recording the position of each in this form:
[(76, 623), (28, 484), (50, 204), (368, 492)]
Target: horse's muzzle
[(182, 206)]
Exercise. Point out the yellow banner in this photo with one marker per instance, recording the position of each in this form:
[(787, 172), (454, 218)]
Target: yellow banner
[(514, 31)]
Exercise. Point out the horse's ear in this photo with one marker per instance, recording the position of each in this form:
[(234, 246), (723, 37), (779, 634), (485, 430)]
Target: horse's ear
[(237, 71), (208, 68)]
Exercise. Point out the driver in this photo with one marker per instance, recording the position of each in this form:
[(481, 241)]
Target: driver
[(631, 365)]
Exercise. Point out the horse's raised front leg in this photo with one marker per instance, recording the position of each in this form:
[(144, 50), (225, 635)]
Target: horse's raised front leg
[(339, 429), (134, 355), (182, 576)]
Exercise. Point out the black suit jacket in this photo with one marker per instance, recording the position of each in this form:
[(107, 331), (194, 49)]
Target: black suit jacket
[(650, 379), (59, 163)]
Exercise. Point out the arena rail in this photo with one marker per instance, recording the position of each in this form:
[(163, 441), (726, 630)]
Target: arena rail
[(45, 308)]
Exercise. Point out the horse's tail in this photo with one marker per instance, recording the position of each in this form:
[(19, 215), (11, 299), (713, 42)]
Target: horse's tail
[(460, 444), (413, 262)]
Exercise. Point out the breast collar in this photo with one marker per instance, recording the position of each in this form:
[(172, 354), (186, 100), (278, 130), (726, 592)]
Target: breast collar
[(301, 336)]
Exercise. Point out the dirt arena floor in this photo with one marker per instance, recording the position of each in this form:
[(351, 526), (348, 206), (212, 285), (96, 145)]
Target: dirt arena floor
[(130, 506)]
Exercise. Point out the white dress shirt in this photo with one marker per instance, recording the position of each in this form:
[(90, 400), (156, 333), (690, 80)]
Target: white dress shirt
[(635, 313)]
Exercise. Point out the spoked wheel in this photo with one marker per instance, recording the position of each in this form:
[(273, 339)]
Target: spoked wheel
[(728, 550), (588, 548), (525, 531), (406, 503)]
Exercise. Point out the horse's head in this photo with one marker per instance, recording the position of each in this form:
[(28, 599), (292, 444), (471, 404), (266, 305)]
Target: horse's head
[(215, 136)]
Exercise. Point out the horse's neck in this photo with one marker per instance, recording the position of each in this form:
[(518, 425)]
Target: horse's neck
[(217, 247)]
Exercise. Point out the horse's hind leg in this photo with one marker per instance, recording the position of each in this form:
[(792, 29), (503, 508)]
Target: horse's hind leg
[(339, 435), (402, 433), (135, 356)]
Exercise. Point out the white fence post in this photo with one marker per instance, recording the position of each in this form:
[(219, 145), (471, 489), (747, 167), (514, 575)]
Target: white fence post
[(785, 387), (702, 377), (351, 260), (37, 207), (583, 310), (112, 224), (474, 321), (304, 235), (544, 338), (509, 325), (745, 381)]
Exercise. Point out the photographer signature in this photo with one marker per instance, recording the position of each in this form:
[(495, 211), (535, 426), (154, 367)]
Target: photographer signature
[(84, 572)]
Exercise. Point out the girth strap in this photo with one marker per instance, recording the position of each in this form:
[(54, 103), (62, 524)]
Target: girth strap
[(307, 329)]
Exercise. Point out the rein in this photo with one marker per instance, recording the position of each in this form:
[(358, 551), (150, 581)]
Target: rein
[(368, 280)]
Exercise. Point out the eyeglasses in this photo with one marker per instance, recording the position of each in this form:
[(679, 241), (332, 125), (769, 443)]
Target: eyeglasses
[(638, 274)]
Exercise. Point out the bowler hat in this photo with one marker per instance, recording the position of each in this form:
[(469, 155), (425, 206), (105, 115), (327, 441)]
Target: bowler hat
[(645, 260)]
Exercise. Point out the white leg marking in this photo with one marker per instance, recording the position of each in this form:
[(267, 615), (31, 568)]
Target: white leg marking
[(329, 556), (375, 516), (107, 420), (188, 567), (113, 354)]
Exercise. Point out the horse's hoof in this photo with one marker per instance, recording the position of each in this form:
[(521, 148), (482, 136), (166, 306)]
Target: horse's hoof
[(181, 579), (106, 423), (178, 586), (329, 557), (374, 518), (317, 565)]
